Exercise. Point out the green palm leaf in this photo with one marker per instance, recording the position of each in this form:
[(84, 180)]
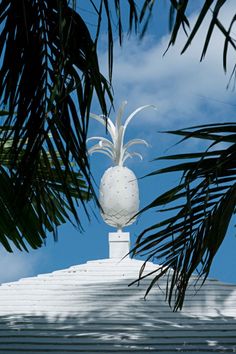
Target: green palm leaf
[(46, 207), (48, 75), (201, 208)]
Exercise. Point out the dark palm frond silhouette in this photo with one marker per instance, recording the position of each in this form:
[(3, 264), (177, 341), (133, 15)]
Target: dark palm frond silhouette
[(202, 205)]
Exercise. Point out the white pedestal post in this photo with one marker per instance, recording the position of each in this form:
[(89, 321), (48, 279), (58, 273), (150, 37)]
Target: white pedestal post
[(119, 244)]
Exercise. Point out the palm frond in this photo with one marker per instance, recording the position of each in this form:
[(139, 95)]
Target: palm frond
[(179, 18), (46, 207), (110, 14), (49, 72), (199, 211), (179, 10)]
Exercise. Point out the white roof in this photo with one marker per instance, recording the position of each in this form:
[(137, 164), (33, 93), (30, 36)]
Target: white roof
[(89, 308)]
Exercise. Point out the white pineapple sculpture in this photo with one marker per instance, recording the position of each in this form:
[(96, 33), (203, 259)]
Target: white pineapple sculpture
[(119, 192)]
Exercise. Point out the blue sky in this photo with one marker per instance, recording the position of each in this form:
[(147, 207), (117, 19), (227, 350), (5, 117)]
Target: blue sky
[(185, 92)]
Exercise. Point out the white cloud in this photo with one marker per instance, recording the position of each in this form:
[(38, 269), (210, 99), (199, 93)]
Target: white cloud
[(185, 91)]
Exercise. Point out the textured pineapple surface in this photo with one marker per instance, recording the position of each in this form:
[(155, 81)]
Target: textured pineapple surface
[(119, 196)]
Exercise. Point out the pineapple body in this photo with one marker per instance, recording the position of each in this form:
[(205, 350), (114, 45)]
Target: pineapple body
[(119, 196)]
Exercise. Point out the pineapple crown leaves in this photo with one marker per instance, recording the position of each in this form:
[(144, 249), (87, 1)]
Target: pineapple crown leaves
[(115, 148)]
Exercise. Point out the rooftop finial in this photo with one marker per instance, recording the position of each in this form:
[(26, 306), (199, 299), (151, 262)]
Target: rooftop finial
[(119, 192)]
